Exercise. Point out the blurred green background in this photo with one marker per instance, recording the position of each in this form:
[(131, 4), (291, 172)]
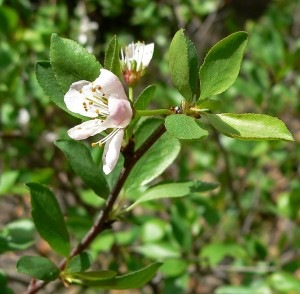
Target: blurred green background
[(244, 237)]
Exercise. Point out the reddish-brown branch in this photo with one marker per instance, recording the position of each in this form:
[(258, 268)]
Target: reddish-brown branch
[(103, 222)]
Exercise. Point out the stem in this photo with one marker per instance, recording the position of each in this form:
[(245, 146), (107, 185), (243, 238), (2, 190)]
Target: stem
[(130, 93), (153, 112), (103, 222)]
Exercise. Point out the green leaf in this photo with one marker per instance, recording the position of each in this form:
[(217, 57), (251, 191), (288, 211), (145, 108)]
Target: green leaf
[(112, 59), (38, 267), (242, 290), (173, 190), (46, 78), (154, 162), (3, 284), (17, 235), (249, 126), (222, 64), (284, 282), (79, 263), (211, 104), (174, 267), (145, 98), (131, 280), (183, 63), (48, 218), (146, 129), (86, 277), (214, 253), (81, 161), (184, 127), (8, 180), (71, 62), (8, 19)]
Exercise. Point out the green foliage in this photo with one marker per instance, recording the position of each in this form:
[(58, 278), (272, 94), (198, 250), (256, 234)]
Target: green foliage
[(80, 159), (79, 263), (172, 190), (250, 126), (154, 162), (108, 280), (17, 235), (47, 80), (112, 61), (222, 64), (38, 267), (243, 232), (3, 284), (184, 127), (183, 63), (71, 62), (144, 99), (48, 218)]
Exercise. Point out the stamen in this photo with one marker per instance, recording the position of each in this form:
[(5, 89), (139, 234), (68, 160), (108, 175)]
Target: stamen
[(105, 139)]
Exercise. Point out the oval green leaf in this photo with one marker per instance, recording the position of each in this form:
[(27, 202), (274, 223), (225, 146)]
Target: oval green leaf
[(71, 62), (173, 190), (48, 218), (184, 127), (38, 267), (222, 64), (81, 161), (183, 64), (249, 126)]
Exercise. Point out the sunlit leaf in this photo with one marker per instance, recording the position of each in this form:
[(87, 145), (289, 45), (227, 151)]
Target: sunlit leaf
[(173, 190), (71, 62), (184, 127), (249, 126), (222, 64), (183, 63)]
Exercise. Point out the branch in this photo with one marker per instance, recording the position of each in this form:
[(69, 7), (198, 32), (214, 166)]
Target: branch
[(103, 222)]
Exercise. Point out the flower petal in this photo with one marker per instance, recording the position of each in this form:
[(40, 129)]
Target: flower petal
[(87, 129), (111, 152), (75, 98), (120, 113), (147, 54), (110, 84)]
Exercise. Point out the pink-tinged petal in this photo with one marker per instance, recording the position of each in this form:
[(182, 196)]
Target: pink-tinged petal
[(120, 112), (111, 152), (87, 129), (110, 84), (147, 54), (75, 99)]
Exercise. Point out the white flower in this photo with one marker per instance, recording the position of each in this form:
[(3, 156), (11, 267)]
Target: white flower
[(134, 60), (105, 101), (137, 56)]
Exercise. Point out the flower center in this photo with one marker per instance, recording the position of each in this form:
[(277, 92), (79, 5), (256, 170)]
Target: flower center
[(95, 100)]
